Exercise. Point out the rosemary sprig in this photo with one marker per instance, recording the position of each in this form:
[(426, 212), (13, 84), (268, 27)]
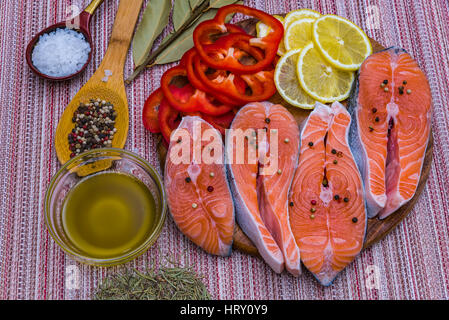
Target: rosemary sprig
[(196, 13), (163, 283)]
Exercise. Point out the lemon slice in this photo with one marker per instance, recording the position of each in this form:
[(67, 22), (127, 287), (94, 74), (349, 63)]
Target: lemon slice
[(320, 79), (287, 84), (341, 42), (299, 33), (299, 14), (262, 30)]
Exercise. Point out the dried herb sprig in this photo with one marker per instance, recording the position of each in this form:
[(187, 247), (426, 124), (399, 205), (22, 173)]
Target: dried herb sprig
[(162, 283), (203, 7), (199, 8), (154, 20)]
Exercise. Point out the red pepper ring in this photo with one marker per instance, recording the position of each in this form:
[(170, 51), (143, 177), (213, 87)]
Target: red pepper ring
[(235, 47), (151, 110), (169, 119), (233, 28), (259, 86), (230, 28), (196, 100), (269, 44), (210, 79), (223, 83), (244, 50), (196, 82), (223, 54), (274, 36)]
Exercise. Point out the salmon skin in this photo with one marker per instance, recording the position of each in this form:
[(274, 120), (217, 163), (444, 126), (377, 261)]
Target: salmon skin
[(197, 189), (260, 181), (328, 215), (392, 112)]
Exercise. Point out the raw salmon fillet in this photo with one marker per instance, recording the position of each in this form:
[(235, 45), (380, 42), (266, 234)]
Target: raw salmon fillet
[(327, 212), (196, 185), (391, 128), (261, 178)]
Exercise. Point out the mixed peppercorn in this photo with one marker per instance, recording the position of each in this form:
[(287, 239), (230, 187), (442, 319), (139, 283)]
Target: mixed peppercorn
[(383, 85), (94, 126)]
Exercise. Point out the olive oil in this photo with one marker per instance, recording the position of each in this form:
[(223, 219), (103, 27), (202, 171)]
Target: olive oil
[(108, 214)]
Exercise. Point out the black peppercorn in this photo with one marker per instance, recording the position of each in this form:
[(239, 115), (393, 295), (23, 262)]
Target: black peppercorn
[(93, 127)]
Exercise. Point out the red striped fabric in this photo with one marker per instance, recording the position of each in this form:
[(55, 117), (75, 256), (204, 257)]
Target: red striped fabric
[(410, 263)]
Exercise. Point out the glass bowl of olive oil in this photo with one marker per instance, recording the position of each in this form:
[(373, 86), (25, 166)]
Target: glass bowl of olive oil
[(105, 206)]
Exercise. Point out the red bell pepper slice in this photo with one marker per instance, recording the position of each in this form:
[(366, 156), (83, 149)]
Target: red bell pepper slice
[(235, 47), (151, 110), (194, 99), (210, 28), (196, 82), (230, 28), (169, 119), (258, 86)]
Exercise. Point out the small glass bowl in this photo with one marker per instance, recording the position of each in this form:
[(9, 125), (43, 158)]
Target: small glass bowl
[(94, 161)]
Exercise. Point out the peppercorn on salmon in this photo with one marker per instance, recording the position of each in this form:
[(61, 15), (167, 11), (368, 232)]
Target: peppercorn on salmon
[(327, 212), (198, 193), (391, 128), (266, 138)]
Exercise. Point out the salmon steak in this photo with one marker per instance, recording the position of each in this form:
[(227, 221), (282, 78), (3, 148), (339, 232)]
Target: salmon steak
[(327, 207), (262, 153), (392, 112), (198, 194)]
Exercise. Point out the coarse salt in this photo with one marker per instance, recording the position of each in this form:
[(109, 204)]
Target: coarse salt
[(61, 53)]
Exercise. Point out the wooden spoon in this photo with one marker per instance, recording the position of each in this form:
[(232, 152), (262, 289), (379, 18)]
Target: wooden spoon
[(112, 90)]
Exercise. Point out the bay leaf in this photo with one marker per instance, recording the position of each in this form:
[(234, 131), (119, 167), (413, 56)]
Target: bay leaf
[(178, 47), (154, 20), (195, 3), (181, 12), (221, 3)]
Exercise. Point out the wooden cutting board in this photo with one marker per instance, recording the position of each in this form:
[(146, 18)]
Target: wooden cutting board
[(376, 229)]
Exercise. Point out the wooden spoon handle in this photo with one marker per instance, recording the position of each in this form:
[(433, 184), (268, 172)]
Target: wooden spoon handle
[(122, 32)]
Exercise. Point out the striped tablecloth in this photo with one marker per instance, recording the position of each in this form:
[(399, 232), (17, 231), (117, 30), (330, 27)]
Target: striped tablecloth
[(410, 263)]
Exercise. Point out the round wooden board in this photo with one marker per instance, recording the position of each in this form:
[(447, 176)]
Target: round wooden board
[(376, 228)]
